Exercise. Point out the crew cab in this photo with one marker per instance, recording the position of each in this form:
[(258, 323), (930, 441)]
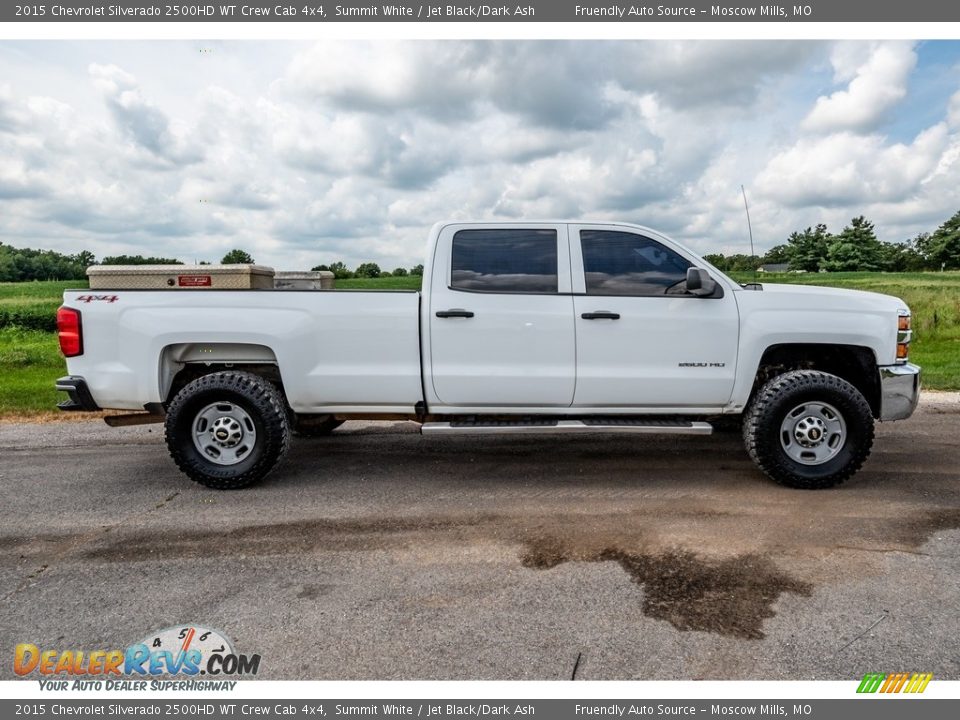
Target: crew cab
[(530, 327)]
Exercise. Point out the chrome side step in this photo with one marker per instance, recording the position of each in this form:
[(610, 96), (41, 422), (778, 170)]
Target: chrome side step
[(563, 427)]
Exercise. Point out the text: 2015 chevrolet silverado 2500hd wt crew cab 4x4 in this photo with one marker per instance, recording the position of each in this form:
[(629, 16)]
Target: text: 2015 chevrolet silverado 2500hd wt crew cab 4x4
[(524, 327)]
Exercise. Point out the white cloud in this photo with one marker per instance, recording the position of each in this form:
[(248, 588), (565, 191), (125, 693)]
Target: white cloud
[(846, 169), (308, 154), (438, 79), (953, 111), (708, 74), (141, 120), (877, 83), (10, 119)]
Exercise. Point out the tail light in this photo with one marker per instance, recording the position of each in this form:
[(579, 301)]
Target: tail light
[(69, 332)]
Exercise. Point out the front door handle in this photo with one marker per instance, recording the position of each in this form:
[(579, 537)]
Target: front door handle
[(454, 312), (601, 315)]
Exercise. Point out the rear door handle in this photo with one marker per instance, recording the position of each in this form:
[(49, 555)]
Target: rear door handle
[(454, 312), (601, 315)]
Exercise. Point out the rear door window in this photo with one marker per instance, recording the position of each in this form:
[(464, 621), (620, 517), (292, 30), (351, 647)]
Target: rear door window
[(504, 261)]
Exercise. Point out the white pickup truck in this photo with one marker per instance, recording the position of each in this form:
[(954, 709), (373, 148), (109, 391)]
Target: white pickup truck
[(526, 327)]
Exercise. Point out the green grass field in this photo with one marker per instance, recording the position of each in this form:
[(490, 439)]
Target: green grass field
[(409, 282), (30, 360)]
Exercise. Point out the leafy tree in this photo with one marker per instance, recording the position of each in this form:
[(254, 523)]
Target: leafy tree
[(739, 262), (338, 269), (417, 269), (237, 257), (20, 264), (916, 256), (901, 257), (943, 247), (367, 270), (924, 245), (856, 248), (317, 268), (84, 258), (776, 254), (807, 250), (400, 272), (138, 260), (718, 260), (742, 262)]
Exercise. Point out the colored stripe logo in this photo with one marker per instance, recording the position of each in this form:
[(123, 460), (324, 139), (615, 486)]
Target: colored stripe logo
[(894, 682)]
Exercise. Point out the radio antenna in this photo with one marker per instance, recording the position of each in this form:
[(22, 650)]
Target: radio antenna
[(749, 226), (749, 229)]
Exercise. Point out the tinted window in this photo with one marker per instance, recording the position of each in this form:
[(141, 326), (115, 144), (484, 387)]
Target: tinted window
[(622, 263), (505, 261)]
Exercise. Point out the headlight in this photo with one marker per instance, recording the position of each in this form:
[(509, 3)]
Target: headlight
[(904, 335)]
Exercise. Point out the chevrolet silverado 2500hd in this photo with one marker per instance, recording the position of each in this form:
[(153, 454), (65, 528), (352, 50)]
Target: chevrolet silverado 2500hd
[(524, 327)]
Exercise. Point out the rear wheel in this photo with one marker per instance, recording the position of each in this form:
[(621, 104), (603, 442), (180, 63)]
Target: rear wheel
[(227, 430), (808, 429)]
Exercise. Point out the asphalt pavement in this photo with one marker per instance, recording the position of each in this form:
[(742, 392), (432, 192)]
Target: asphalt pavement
[(376, 553)]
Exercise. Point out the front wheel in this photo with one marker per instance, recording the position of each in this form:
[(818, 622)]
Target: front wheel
[(227, 430), (808, 429)]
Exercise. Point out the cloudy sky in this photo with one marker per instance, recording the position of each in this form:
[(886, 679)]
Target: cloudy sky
[(305, 154)]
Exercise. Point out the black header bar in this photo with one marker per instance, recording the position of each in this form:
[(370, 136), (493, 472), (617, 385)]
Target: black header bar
[(893, 11), (222, 706)]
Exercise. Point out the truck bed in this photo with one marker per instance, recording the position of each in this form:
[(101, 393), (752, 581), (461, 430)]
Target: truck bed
[(335, 350)]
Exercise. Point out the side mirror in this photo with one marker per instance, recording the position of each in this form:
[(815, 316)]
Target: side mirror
[(700, 283)]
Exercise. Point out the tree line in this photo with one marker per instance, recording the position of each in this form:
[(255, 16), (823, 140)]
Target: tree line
[(367, 270), (855, 248), (22, 264)]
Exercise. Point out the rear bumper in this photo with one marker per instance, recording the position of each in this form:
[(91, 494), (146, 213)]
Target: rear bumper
[(80, 397), (899, 391)]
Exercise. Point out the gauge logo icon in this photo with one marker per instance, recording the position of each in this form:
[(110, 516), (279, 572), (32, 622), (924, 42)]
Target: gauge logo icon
[(190, 649), (184, 638)]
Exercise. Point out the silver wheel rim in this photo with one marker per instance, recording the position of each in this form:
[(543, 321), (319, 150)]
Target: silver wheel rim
[(224, 433), (813, 433)]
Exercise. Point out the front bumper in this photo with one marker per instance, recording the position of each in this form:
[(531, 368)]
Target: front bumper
[(899, 391), (80, 397)]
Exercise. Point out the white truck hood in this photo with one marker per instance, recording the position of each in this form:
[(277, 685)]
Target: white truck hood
[(819, 297), (813, 314)]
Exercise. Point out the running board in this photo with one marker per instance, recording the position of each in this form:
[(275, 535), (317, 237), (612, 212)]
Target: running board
[(562, 427)]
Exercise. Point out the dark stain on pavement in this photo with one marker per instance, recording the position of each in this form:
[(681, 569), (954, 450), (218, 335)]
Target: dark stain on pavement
[(312, 592), (728, 597), (903, 531), (727, 594), (277, 538), (916, 531)]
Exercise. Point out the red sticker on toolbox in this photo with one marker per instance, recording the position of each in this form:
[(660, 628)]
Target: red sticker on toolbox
[(194, 280)]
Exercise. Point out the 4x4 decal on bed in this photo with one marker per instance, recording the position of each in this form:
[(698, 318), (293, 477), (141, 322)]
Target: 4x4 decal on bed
[(98, 298)]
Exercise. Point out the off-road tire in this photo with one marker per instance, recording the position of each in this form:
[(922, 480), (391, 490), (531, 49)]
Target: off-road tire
[(261, 401), (766, 413), (313, 426)]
